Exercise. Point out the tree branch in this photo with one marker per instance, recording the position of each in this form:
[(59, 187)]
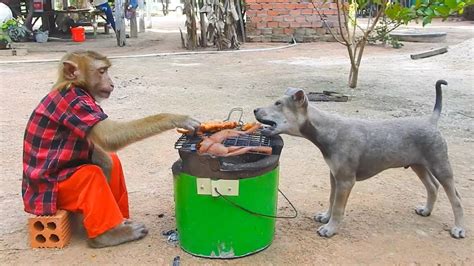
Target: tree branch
[(328, 27)]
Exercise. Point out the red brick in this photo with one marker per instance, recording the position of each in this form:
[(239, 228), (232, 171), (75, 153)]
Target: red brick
[(255, 6), (295, 24), (277, 18), (256, 19), (295, 12), (277, 31), (290, 6), (275, 6), (317, 24), (260, 12), (330, 12), (284, 24), (267, 19), (273, 13), (272, 24), (306, 24), (288, 31), (251, 13), (288, 18), (307, 11), (267, 6), (51, 231), (300, 19), (250, 1), (313, 18), (261, 25)]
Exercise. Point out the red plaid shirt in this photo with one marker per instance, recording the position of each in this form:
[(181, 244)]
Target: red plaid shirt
[(55, 145)]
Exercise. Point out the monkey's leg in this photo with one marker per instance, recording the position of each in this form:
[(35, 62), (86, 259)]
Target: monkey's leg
[(87, 191)]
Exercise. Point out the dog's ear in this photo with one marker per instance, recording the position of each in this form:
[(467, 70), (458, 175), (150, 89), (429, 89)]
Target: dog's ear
[(298, 96)]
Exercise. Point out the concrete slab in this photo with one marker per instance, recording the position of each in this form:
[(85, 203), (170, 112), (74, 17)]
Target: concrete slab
[(419, 36)]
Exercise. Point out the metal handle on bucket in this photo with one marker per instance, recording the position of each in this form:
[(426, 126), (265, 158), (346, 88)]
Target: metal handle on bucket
[(236, 109)]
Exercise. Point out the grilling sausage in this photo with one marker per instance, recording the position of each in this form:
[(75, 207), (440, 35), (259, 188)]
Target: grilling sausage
[(209, 127), (213, 144)]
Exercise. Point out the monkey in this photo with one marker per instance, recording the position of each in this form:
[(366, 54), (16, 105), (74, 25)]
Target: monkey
[(69, 159)]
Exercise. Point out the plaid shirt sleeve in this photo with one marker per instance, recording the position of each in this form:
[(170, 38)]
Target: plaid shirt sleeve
[(82, 116)]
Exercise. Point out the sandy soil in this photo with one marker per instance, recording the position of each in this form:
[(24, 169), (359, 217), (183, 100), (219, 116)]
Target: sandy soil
[(380, 226)]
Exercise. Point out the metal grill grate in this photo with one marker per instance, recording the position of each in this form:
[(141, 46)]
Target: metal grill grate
[(190, 143)]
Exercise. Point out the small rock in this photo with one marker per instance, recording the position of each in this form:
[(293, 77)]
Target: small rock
[(421, 233), (176, 261)]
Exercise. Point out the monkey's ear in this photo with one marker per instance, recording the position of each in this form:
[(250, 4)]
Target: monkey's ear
[(70, 70)]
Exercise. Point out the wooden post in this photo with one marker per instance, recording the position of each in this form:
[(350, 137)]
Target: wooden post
[(65, 4), (202, 20), (133, 24), (141, 17), (120, 22), (148, 14), (241, 21)]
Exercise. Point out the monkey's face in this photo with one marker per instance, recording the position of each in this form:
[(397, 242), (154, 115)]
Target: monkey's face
[(100, 84)]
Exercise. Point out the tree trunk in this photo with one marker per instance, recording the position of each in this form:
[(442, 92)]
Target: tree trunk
[(141, 21), (148, 15), (133, 24), (203, 29), (353, 77), (120, 22)]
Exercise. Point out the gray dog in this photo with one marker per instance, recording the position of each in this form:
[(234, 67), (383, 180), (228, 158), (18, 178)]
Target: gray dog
[(357, 149)]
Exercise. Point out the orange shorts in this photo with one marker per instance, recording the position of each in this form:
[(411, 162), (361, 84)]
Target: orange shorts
[(104, 205)]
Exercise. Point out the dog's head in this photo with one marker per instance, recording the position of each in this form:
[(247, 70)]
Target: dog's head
[(286, 115)]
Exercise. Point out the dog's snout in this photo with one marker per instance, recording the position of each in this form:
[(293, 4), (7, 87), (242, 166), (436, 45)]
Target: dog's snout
[(256, 110)]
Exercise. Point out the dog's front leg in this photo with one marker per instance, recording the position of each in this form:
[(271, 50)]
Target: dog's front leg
[(323, 217), (344, 186)]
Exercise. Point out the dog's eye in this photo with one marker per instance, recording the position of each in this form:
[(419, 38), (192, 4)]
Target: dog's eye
[(277, 103)]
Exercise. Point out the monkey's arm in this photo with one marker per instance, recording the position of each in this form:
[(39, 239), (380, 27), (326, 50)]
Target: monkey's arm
[(112, 135)]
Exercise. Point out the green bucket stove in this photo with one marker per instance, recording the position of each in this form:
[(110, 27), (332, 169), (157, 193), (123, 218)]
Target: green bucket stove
[(225, 206)]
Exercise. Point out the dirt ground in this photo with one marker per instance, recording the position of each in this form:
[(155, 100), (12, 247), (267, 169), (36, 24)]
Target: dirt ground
[(380, 225)]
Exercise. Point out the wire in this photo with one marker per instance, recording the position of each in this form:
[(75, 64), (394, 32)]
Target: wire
[(158, 54), (260, 214)]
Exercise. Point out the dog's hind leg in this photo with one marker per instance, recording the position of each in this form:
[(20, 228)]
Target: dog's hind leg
[(324, 217), (431, 185), (344, 186), (444, 174)]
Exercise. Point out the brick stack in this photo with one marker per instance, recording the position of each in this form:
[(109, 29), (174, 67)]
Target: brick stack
[(50, 231), (279, 20)]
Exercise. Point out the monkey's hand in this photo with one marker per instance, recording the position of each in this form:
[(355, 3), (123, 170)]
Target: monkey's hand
[(187, 123)]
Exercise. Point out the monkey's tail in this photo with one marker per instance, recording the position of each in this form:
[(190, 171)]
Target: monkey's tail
[(439, 99)]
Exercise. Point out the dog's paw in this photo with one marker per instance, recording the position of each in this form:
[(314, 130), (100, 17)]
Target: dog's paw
[(326, 230), (322, 217), (458, 232), (423, 211)]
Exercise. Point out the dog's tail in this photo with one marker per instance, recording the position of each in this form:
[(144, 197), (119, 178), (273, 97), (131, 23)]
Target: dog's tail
[(438, 103)]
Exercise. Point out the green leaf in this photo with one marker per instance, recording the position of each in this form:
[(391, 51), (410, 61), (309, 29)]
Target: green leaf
[(428, 12), (426, 20), (417, 4), (361, 4), (451, 4), (443, 11)]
